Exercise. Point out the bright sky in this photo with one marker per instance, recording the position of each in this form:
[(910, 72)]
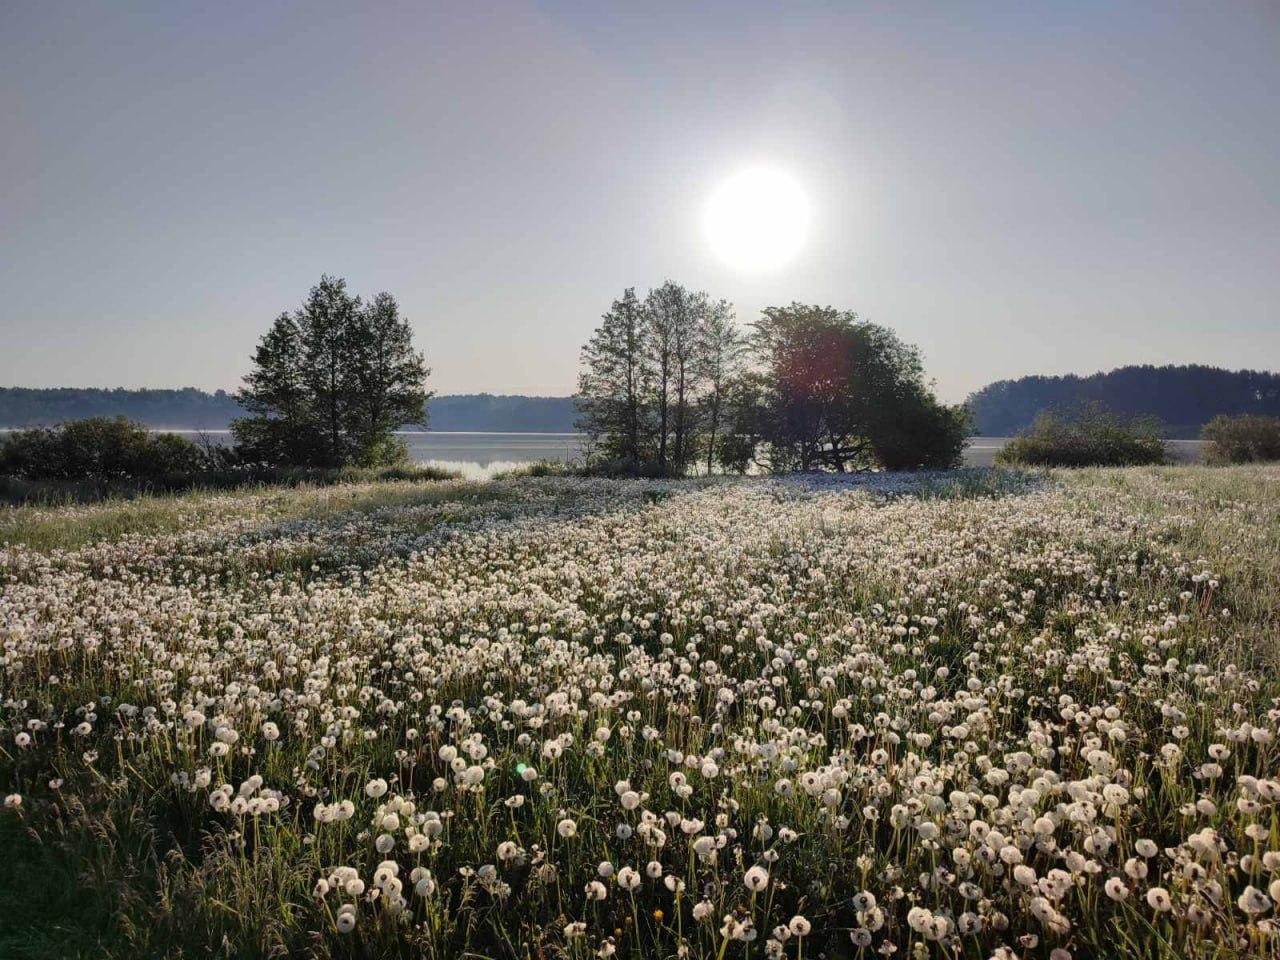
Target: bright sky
[(1015, 187)]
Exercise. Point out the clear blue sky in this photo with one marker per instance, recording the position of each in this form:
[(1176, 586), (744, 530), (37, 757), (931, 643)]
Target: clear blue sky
[(1015, 187)]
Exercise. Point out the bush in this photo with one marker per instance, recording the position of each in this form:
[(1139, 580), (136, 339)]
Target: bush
[(923, 434), (99, 448), (1243, 439), (632, 469), (1093, 437)]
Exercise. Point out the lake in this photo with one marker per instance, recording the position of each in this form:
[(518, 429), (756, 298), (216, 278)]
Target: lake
[(481, 455), (474, 455)]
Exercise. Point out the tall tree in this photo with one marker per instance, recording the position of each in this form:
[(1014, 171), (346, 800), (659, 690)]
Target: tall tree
[(615, 382), (719, 357), (331, 383), (664, 310), (846, 394), (388, 376), (327, 324), (279, 428)]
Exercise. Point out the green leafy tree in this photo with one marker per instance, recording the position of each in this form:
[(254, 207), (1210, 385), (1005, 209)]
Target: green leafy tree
[(331, 382), (665, 311), (720, 353), (388, 377), (844, 394), (746, 422), (279, 428), (615, 384)]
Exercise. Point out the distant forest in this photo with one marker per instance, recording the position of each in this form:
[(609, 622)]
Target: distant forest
[(191, 409), (1184, 398)]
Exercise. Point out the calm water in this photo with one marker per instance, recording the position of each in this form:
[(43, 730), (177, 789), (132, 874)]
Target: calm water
[(480, 455), (476, 455)]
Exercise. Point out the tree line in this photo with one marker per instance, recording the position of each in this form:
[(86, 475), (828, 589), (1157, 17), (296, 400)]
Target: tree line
[(185, 408), (192, 409), (1183, 398), (671, 384)]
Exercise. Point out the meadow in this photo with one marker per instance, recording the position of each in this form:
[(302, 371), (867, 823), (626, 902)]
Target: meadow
[(986, 714)]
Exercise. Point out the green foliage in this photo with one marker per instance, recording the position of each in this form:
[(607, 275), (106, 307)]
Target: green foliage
[(1088, 437), (651, 396), (839, 393), (923, 434), (616, 382), (664, 388), (1242, 439), (46, 911), (331, 382), (99, 448)]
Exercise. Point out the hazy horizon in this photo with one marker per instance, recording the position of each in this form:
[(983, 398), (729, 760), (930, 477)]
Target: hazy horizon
[(1015, 189)]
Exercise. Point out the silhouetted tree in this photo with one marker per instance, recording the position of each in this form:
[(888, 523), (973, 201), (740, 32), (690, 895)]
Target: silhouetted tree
[(280, 428), (831, 392), (641, 393), (719, 360), (841, 394), (615, 384), (746, 422), (331, 382), (388, 378), (665, 317)]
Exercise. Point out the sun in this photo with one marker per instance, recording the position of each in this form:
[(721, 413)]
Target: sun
[(757, 220)]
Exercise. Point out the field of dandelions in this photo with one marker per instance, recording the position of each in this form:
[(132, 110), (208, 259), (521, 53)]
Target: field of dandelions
[(973, 715)]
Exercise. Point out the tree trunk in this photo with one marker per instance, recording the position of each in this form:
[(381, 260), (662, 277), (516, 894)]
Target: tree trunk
[(662, 426), (711, 438)]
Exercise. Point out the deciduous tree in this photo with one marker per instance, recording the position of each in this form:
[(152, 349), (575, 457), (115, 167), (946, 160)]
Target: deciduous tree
[(331, 382)]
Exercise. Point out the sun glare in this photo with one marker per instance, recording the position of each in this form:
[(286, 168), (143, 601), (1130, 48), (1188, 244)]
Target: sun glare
[(757, 220)]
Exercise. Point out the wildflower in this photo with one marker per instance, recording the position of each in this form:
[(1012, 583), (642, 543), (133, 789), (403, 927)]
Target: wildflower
[(1253, 901), (756, 879), (1116, 890), (346, 918)]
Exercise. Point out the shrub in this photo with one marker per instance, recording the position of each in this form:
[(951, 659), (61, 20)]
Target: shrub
[(98, 448), (923, 434), (1243, 439), (645, 470), (1092, 437)]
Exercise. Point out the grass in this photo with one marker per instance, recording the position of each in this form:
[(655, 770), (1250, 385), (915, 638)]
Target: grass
[(383, 623), (19, 491), (49, 910), (47, 528)]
